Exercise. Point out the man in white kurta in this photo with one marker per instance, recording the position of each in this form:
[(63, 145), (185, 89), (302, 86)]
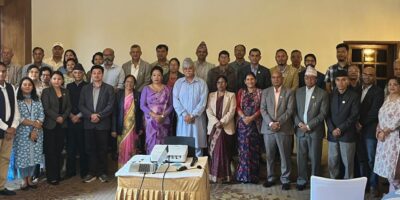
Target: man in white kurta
[(190, 100)]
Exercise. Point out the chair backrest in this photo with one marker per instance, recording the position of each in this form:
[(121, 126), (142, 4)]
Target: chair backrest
[(183, 141), (331, 189)]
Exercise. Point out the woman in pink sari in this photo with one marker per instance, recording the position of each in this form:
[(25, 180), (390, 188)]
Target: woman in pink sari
[(126, 125)]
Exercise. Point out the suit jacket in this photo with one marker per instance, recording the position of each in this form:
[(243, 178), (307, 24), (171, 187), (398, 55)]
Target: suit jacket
[(343, 117), (51, 106), (143, 77), (228, 112), (284, 112), (317, 112), (105, 106), (320, 79), (263, 77), (369, 110)]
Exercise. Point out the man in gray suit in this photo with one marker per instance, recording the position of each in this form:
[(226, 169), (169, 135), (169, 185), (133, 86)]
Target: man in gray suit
[(312, 104), (277, 107), (137, 67), (96, 105), (341, 122)]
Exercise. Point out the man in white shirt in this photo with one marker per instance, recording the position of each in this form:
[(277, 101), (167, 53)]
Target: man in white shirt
[(9, 121), (113, 74)]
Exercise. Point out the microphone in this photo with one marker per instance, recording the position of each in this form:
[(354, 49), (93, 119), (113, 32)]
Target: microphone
[(194, 161)]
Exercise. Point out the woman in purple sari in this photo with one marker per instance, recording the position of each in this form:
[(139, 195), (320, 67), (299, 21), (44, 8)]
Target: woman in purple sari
[(221, 127), (156, 104), (248, 130)]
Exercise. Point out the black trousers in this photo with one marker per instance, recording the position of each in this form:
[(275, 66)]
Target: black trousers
[(96, 150), (75, 145), (53, 145)]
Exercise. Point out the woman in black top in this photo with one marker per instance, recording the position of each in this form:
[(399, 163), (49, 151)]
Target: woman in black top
[(57, 107)]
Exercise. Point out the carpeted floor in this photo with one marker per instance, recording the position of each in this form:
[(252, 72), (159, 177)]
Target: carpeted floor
[(74, 189)]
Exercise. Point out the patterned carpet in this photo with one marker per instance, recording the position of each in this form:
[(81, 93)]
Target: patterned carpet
[(74, 189)]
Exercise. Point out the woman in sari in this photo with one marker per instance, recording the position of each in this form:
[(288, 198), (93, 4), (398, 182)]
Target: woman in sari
[(221, 127), (387, 132), (28, 143), (248, 130), (156, 104), (126, 125)]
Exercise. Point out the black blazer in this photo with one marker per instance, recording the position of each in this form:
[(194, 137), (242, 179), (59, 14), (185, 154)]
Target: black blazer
[(51, 107), (369, 110), (344, 118), (118, 112), (105, 106), (263, 77), (320, 79)]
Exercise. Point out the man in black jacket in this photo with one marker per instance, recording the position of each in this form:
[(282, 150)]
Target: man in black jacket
[(75, 135), (372, 98), (263, 75), (341, 122)]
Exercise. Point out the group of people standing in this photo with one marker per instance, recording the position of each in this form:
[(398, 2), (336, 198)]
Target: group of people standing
[(237, 108)]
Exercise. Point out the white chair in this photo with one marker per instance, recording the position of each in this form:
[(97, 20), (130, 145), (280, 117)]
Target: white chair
[(331, 189)]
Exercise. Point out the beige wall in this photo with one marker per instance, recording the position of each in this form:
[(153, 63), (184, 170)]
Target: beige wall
[(314, 26)]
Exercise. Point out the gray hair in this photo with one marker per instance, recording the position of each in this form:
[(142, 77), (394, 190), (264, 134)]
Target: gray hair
[(187, 62)]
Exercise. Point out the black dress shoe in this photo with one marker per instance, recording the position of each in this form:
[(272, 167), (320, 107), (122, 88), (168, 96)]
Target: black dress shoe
[(300, 187), (7, 192), (286, 186), (268, 184), (53, 182), (24, 188)]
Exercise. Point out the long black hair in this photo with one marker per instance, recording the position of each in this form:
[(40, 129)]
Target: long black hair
[(34, 95)]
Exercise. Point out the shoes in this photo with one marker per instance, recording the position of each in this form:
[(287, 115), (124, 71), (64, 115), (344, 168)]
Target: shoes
[(103, 178), (33, 186), (89, 178), (24, 188), (374, 192), (54, 182), (7, 192), (300, 187), (286, 186), (268, 184)]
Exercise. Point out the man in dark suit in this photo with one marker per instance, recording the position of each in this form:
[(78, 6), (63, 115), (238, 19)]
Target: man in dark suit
[(263, 76), (372, 98), (311, 60), (311, 110), (96, 104), (341, 122), (75, 134), (277, 107)]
